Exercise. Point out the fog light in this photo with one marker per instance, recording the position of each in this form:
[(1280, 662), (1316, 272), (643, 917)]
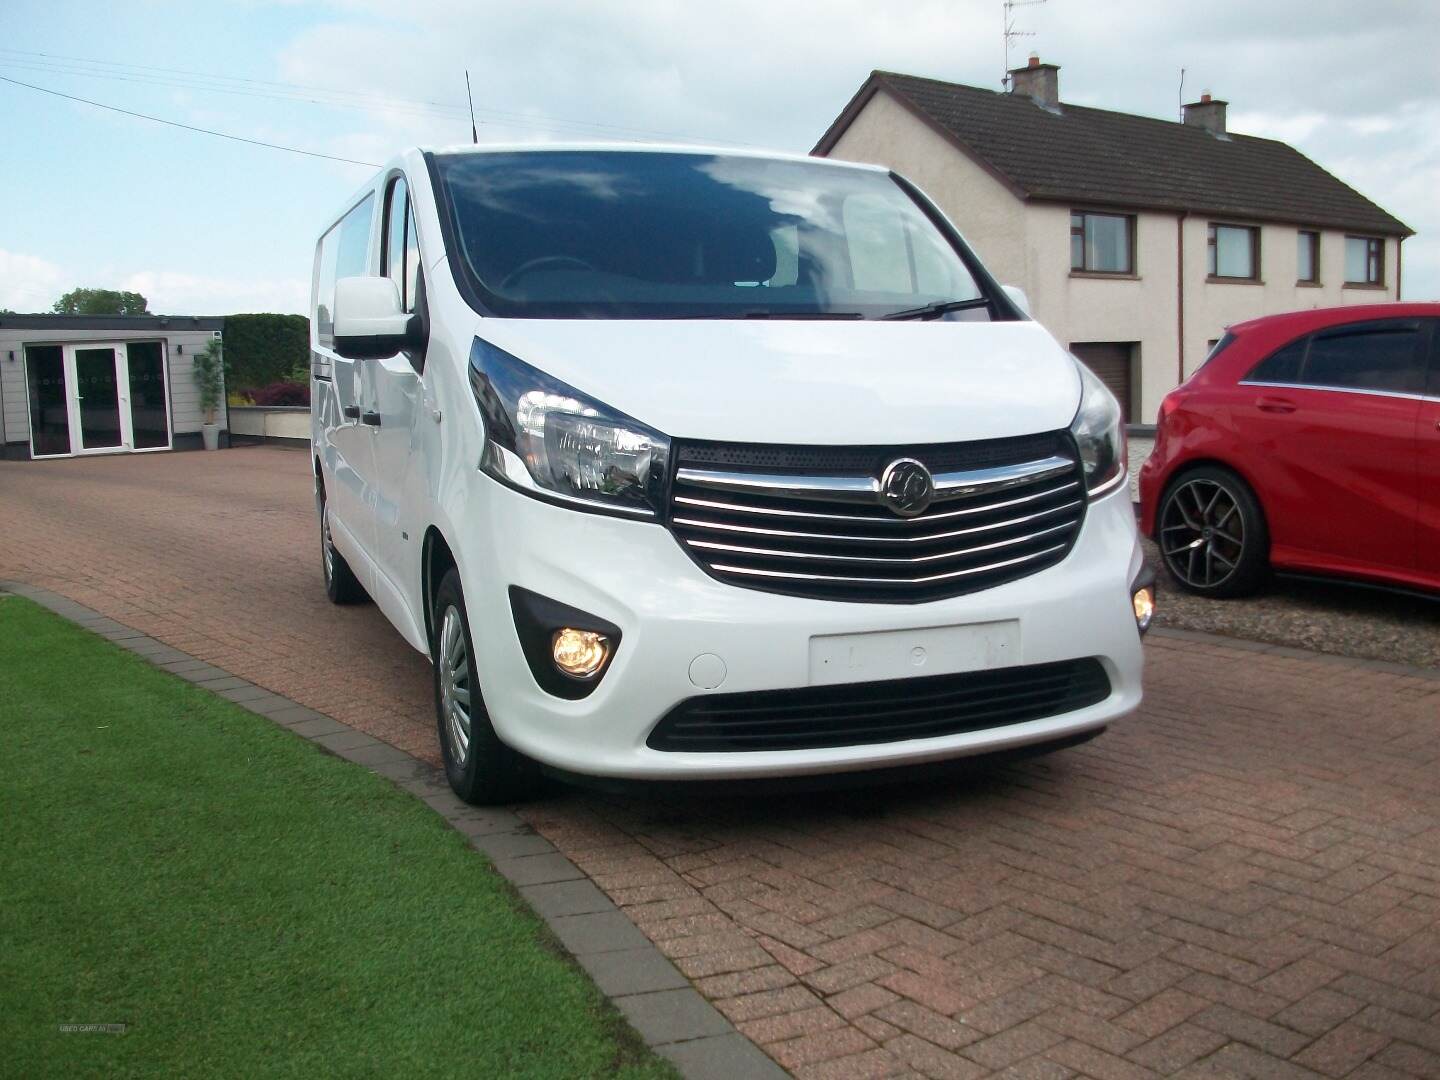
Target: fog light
[(579, 653), (1144, 603)]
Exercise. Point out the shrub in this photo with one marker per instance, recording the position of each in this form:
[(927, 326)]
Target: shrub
[(208, 366), (281, 393), (265, 348)]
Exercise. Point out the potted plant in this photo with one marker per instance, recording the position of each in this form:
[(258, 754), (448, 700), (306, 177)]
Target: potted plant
[(208, 367)]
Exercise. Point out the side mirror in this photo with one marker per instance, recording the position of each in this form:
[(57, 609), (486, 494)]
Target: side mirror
[(368, 321), (1016, 294)]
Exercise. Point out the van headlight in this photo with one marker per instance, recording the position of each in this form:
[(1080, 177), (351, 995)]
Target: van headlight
[(1099, 434), (550, 440)]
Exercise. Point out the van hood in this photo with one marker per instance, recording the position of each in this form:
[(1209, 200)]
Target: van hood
[(809, 381)]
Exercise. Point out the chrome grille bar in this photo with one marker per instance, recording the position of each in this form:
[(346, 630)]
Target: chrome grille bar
[(881, 560), (839, 538), (891, 521), (796, 576), (864, 489), (807, 521)]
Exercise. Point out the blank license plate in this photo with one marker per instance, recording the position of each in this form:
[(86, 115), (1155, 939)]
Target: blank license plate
[(899, 654)]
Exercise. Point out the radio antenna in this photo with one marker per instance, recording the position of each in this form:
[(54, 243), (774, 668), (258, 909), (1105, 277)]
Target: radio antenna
[(1181, 95), (474, 135), (1011, 33)]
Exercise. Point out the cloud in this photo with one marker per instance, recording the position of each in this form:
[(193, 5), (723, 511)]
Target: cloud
[(175, 293), (1350, 85), (29, 283)]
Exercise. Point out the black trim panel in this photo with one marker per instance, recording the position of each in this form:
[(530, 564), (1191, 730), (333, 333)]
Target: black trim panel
[(536, 620), (865, 714)]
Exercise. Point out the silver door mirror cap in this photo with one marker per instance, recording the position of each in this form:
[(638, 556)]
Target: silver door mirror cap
[(1018, 297)]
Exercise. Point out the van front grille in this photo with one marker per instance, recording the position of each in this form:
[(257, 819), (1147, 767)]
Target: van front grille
[(861, 714), (811, 521)]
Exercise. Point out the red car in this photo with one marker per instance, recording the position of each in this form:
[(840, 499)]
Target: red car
[(1307, 442)]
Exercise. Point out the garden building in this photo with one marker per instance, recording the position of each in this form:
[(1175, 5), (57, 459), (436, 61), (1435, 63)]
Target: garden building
[(104, 384)]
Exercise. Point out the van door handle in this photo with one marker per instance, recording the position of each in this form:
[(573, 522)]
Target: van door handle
[(1275, 405), (352, 412), (371, 418)]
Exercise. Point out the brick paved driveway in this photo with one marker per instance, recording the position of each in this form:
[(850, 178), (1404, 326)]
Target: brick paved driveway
[(1242, 880)]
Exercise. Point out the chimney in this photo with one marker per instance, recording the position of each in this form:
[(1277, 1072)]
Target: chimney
[(1207, 113), (1039, 82)]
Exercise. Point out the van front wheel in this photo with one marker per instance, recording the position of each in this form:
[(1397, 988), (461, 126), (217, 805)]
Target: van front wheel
[(481, 769)]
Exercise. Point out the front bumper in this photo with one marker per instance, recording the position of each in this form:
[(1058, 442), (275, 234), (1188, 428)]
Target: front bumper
[(670, 613)]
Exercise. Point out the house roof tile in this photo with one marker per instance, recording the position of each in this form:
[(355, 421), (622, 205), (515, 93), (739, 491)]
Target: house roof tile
[(1096, 156)]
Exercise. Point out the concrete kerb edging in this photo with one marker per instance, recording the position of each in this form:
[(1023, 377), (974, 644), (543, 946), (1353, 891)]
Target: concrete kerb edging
[(669, 1014)]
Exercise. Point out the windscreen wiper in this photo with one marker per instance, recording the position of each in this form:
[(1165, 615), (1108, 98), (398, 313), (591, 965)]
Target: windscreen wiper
[(934, 311), (762, 314)]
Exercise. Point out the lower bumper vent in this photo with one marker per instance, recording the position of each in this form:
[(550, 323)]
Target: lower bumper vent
[(859, 714)]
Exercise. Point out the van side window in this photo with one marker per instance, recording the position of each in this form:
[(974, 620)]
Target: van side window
[(323, 290), (786, 239), (875, 235), (342, 253), (888, 254), (392, 258), (353, 257), (400, 260), (412, 256)]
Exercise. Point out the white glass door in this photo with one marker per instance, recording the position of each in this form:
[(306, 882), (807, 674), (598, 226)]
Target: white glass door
[(99, 398)]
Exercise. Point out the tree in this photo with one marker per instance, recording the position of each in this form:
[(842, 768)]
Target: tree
[(101, 302)]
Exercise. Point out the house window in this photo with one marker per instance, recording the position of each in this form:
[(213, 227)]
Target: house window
[(1364, 260), (1234, 252), (1307, 258), (1102, 243)]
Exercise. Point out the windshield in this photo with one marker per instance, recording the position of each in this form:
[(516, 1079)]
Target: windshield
[(622, 234)]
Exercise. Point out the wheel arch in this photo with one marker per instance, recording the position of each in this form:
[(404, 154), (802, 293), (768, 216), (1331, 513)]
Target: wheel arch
[(436, 558), (1190, 465)]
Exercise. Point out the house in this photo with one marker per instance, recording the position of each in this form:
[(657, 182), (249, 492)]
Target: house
[(1137, 240), (101, 384)]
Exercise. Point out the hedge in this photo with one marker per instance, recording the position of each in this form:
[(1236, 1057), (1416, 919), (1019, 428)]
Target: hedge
[(265, 348)]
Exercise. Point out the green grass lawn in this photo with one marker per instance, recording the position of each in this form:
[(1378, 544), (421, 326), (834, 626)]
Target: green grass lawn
[(245, 904)]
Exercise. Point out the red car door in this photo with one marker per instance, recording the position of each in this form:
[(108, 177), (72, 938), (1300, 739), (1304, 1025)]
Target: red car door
[(1330, 423), (1427, 442)]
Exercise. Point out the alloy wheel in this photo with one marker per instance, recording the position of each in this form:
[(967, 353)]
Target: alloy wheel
[(454, 665), (1202, 533), (326, 546)]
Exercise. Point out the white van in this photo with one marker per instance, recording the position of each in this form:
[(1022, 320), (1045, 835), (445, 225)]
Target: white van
[(694, 464)]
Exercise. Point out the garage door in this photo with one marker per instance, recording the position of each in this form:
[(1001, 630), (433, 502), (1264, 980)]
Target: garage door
[(1113, 363)]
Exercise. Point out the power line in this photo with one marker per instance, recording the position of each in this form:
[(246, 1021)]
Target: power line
[(186, 127), (302, 97), (50, 57), (305, 93)]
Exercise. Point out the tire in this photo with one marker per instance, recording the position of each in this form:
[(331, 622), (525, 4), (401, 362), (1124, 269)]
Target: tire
[(481, 769), (341, 584), (1212, 534)]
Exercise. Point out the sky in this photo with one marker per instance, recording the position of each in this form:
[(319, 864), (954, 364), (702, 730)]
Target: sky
[(202, 225)]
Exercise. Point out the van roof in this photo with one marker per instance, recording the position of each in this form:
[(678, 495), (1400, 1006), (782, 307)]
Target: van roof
[(628, 147), (646, 148)]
